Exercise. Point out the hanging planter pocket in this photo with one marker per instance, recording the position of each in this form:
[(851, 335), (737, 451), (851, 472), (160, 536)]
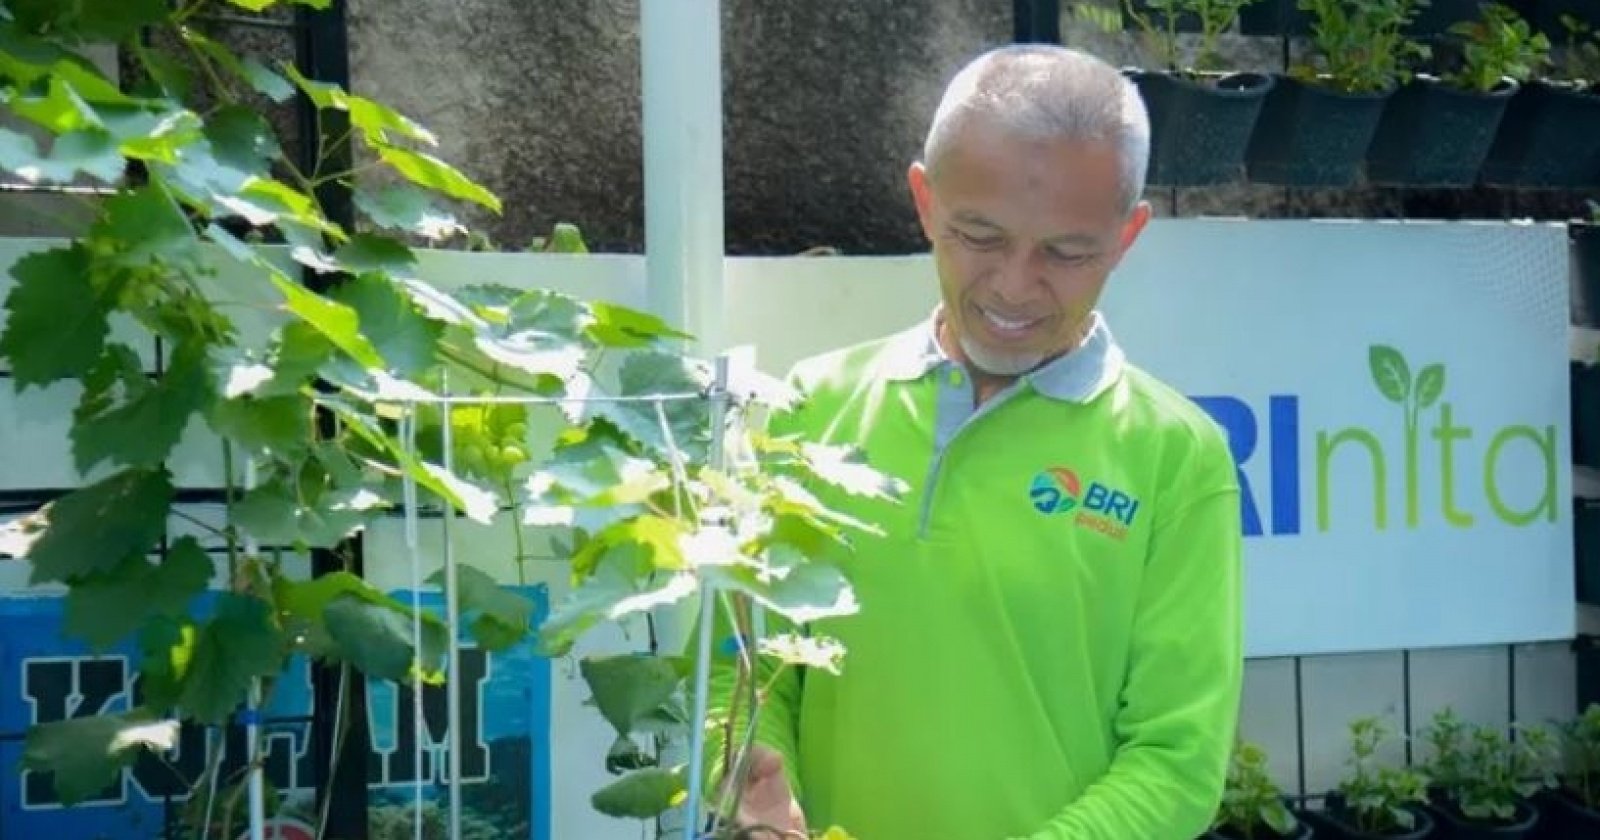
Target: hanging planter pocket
[(1433, 134), (1547, 139), (1199, 128), (1312, 135)]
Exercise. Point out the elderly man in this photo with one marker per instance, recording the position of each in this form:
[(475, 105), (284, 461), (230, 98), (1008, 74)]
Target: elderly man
[(1049, 641)]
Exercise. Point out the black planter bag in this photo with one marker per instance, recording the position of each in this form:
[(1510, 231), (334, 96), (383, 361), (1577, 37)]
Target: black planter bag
[(1453, 826), (1547, 139), (1199, 129), (1434, 135), (1313, 136)]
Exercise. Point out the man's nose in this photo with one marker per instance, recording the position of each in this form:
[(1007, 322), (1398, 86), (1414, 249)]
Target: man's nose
[(1017, 276)]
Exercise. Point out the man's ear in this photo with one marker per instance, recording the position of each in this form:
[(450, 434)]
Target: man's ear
[(1134, 225), (922, 197)]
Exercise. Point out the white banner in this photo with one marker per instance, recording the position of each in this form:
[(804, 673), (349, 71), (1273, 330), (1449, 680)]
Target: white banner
[(1396, 395)]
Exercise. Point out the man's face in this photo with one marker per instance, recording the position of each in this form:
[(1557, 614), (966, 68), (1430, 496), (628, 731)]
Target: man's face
[(1024, 235)]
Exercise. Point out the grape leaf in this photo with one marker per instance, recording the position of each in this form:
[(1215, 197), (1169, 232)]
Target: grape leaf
[(620, 326), (549, 312), (53, 104), (336, 321), (92, 151), (613, 592), (425, 170), (366, 252), (57, 323), (277, 426), (237, 645), (86, 755), (308, 602), (658, 535), (629, 687), (141, 428), (807, 592), (146, 222), (844, 467), (402, 335), (275, 513), (642, 794), (404, 207), (651, 373), (167, 648), (374, 639), (105, 607), (91, 20), (241, 138), (93, 528), (500, 618)]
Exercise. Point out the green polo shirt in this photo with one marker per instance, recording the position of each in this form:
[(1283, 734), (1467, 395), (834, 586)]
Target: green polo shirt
[(1049, 638)]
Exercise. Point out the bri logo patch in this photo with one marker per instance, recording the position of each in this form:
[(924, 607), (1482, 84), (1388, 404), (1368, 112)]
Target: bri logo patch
[(1099, 507)]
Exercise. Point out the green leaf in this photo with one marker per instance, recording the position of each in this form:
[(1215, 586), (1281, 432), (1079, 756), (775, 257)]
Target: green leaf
[(337, 322), (629, 687), (374, 639), (104, 608), (125, 419), (425, 170), (1430, 385), (366, 252), (551, 312), (651, 373), (92, 151), (93, 528), (402, 335), (617, 589), (808, 592), (146, 222), (25, 60), (274, 512), (53, 104), (619, 326), (57, 322), (405, 208), (1390, 372), (86, 755), (642, 794), (241, 138), (91, 20), (237, 645), (167, 647), (500, 618), (658, 535), (308, 602), (271, 426), (478, 504)]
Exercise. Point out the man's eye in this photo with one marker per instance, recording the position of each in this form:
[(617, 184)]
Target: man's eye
[(979, 243), (1069, 258)]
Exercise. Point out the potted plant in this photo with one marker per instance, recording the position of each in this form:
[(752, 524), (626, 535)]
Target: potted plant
[(1201, 116), (1319, 118), (1253, 807), (1437, 130), (1547, 136), (1572, 807), (1483, 782), (1376, 800)]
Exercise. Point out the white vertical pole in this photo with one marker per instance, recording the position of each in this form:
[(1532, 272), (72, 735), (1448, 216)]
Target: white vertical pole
[(681, 52), (256, 788), (452, 622)]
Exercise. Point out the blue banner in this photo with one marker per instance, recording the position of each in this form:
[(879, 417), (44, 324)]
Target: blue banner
[(505, 755)]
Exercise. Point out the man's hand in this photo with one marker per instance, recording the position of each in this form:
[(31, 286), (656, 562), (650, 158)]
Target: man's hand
[(767, 802)]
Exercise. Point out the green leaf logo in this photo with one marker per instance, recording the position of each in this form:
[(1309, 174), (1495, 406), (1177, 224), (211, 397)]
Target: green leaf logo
[(1430, 385), (1390, 372)]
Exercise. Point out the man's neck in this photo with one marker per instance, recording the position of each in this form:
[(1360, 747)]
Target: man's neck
[(986, 384)]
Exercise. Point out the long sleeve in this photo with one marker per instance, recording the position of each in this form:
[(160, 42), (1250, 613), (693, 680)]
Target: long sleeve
[(1178, 710)]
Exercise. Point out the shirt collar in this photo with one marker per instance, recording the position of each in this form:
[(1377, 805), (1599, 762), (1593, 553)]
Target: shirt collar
[(1078, 376)]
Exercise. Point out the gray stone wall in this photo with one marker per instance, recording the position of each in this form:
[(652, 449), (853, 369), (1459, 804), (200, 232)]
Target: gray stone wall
[(825, 103)]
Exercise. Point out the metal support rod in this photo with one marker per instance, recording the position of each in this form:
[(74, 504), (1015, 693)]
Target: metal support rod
[(257, 781), (681, 56), (708, 599), (452, 627), (408, 435), (1036, 21)]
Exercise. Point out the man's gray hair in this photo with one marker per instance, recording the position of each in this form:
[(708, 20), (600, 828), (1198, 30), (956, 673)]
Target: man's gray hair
[(1046, 91)]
